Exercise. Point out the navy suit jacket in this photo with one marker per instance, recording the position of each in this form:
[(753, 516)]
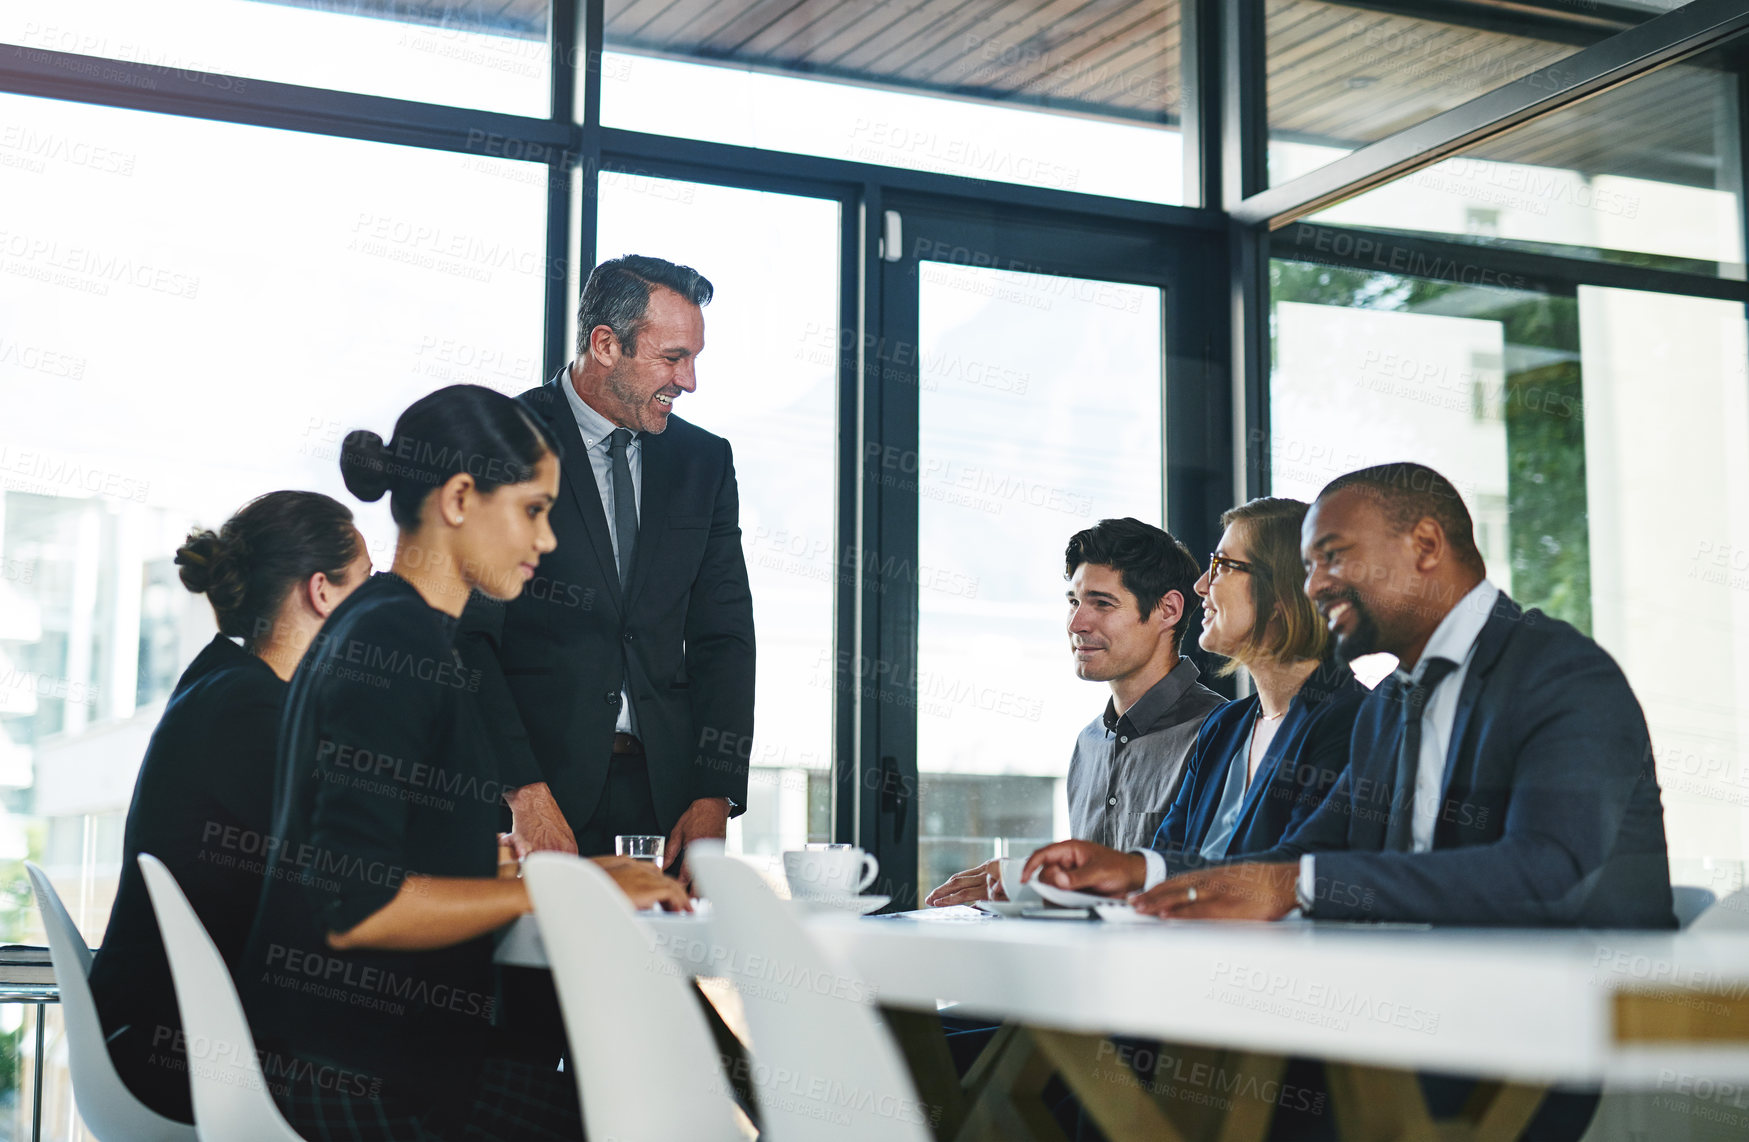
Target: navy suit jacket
[(1550, 815), (1299, 769), (554, 660)]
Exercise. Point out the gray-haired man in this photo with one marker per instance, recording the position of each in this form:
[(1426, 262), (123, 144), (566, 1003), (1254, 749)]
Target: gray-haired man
[(620, 683)]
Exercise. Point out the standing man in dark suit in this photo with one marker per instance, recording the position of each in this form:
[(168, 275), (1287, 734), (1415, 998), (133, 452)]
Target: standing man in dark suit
[(621, 680), (1502, 776)]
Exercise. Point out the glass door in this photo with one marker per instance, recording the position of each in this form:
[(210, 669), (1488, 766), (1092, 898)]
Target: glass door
[(1025, 391)]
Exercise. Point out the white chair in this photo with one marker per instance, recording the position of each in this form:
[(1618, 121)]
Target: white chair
[(109, 1109), (231, 1101), (1690, 901), (1728, 915), (824, 1065), (646, 1064)]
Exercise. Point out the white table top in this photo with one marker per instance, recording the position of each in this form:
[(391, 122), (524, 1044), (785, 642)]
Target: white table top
[(1528, 1005)]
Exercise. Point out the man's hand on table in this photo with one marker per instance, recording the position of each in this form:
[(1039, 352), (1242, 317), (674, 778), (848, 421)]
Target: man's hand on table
[(645, 884), (705, 819), (1087, 867), (536, 825), (983, 882), (1231, 892)]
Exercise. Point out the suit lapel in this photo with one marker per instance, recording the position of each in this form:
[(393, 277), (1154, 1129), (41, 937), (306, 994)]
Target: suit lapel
[(1489, 644), (654, 496), (580, 478)]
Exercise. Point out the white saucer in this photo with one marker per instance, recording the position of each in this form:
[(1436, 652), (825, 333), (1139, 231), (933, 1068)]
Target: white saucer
[(860, 905), (1006, 908), (1068, 897)]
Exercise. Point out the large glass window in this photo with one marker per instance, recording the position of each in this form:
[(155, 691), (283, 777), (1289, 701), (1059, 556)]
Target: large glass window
[(767, 381), (1018, 450), (1646, 169), (1600, 440), (1666, 433), (1078, 97), (188, 326), (472, 53), (1342, 75)]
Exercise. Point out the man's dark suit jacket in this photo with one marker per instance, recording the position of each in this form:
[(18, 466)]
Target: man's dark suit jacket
[(1302, 765), (554, 660), (1551, 814)]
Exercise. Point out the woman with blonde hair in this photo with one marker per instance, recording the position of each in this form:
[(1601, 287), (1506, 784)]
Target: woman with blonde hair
[(1264, 763)]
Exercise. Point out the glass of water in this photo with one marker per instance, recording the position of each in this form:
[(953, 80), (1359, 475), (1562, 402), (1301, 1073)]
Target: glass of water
[(640, 847)]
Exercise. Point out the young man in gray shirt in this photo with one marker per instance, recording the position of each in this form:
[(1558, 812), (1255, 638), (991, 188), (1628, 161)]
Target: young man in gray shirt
[(1129, 598)]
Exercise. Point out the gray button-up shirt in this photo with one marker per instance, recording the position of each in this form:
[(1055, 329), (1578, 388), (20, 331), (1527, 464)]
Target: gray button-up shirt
[(595, 429), (1126, 770)]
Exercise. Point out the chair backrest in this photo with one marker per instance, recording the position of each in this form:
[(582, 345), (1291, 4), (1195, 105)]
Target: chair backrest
[(824, 1065), (1690, 902), (1728, 915), (110, 1110), (231, 1100), (646, 1063)]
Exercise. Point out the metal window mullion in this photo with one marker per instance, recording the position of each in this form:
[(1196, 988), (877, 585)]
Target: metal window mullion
[(855, 728), (635, 148), (1201, 95), (1244, 101), (1741, 173), (594, 45), (1442, 259), (570, 239), (283, 106), (1245, 152), (1740, 161)]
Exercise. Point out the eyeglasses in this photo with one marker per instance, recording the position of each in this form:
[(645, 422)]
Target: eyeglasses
[(1219, 563)]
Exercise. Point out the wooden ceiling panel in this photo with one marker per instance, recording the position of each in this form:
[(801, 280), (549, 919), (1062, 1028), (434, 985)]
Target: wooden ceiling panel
[(994, 36), (902, 34), (1118, 57), (1337, 73)]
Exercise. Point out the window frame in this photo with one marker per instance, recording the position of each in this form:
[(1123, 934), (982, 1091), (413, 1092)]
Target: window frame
[(1224, 378)]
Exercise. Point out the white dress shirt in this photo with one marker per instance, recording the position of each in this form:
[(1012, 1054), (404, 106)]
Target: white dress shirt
[(1453, 639), (596, 429)]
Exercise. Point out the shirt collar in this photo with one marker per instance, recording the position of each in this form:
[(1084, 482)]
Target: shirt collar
[(1455, 636), (1156, 703), (593, 427)]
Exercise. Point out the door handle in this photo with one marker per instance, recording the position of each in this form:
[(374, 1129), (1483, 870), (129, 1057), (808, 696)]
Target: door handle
[(895, 798)]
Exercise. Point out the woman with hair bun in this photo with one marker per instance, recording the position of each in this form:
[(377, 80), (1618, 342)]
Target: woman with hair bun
[(370, 976), (203, 801)]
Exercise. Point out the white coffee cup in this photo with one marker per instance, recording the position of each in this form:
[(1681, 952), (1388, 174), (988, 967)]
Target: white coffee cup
[(821, 871), (1012, 887)]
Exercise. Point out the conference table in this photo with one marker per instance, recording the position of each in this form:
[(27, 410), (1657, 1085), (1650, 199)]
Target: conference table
[(1222, 1005)]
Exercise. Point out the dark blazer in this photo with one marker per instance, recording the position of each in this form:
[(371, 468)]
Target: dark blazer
[(1298, 770), (203, 805), (1551, 814), (382, 770), (554, 660)]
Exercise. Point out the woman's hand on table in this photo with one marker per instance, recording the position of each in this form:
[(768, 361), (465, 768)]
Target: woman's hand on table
[(645, 885), (1087, 867), (983, 882)]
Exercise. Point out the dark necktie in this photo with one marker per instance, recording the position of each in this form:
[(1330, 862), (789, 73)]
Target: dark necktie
[(1399, 833), (625, 503)]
